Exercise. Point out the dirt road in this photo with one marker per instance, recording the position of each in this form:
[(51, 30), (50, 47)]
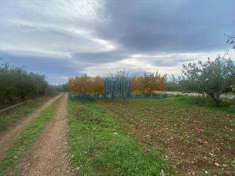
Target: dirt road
[(49, 156), (8, 137)]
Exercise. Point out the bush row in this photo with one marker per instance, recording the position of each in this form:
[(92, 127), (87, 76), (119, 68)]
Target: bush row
[(18, 85)]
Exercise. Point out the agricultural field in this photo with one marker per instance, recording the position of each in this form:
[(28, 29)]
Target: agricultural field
[(138, 136), (172, 136), (99, 145)]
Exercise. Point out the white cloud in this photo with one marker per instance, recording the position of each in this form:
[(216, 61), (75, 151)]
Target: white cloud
[(55, 25), (164, 63)]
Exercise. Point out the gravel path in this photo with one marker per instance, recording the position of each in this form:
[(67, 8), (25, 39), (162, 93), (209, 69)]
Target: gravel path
[(8, 137), (49, 156)]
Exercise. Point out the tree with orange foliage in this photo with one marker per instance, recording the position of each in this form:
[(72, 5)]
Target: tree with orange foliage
[(137, 85), (148, 83), (97, 85), (84, 85)]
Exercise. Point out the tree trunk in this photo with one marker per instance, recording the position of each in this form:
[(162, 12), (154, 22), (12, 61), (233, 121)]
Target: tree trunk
[(217, 102), (216, 98)]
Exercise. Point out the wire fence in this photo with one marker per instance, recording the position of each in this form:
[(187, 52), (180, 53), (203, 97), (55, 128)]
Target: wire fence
[(12, 106)]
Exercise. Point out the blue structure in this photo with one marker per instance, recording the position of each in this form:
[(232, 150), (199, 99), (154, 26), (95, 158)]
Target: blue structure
[(117, 87)]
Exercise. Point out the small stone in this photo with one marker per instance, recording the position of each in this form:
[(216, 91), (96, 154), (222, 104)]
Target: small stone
[(162, 173), (225, 165)]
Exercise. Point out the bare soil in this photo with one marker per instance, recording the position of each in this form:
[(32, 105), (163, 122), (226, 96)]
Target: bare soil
[(49, 155), (8, 137), (195, 140)]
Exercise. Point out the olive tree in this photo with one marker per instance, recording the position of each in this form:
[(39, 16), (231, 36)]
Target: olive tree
[(233, 85), (17, 84), (173, 83), (231, 41), (211, 77)]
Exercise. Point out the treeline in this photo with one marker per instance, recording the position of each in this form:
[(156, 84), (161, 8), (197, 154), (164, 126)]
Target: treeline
[(146, 84), (19, 85), (211, 78)]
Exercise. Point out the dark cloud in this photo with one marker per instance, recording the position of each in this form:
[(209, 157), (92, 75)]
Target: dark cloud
[(101, 57), (164, 25)]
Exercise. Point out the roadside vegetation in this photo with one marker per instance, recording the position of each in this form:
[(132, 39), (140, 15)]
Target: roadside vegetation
[(195, 136), (100, 147), (10, 165), (18, 85), (11, 117)]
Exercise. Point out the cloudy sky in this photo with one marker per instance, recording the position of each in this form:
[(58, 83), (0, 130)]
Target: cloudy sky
[(64, 38)]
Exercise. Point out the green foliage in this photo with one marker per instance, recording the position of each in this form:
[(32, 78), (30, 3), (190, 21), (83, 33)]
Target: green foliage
[(231, 41), (212, 77), (99, 147), (10, 164), (18, 85), (173, 83), (233, 85), (62, 88)]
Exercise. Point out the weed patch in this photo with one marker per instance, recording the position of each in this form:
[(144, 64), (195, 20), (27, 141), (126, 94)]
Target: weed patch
[(100, 147)]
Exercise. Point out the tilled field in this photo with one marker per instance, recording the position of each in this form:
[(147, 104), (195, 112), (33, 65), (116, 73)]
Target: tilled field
[(196, 140)]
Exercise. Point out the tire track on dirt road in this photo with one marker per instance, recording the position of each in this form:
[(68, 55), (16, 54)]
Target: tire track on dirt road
[(7, 138), (49, 155)]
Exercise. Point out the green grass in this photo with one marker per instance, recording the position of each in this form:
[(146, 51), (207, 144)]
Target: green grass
[(100, 147), (226, 105), (10, 164), (11, 117)]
